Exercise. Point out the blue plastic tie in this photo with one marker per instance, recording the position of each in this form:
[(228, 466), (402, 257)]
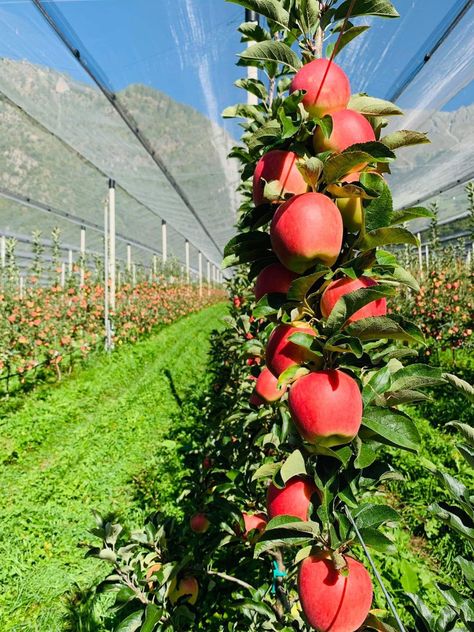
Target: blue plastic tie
[(276, 574)]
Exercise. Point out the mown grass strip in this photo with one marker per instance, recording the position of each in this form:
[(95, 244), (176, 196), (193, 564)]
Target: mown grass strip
[(75, 446)]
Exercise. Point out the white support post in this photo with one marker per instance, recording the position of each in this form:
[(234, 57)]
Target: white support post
[(134, 274), (119, 279), (427, 257), (108, 337), (3, 250), (69, 262), (22, 286), (164, 242), (208, 278), (82, 255), (63, 274), (420, 254), (155, 266), (186, 247), (252, 71), (112, 262), (200, 272)]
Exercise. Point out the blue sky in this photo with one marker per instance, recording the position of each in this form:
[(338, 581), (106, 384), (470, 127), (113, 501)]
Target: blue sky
[(188, 48)]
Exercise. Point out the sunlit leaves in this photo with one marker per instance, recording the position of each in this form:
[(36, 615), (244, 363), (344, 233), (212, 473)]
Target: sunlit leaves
[(381, 8), (272, 51)]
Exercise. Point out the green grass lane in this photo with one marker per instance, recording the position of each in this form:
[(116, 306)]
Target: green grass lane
[(75, 446)]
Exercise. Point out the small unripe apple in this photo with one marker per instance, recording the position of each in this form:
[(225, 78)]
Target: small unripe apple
[(281, 353), (306, 230), (343, 286), (326, 407), (351, 208), (266, 386), (327, 87), (187, 586), (332, 600), (293, 500), (280, 166), (348, 128), (199, 523), (273, 279)]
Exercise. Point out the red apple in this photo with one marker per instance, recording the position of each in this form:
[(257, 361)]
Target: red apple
[(187, 586), (266, 387), (343, 286), (305, 230), (348, 128), (281, 353), (293, 500), (274, 279), (326, 407), (253, 521), (199, 523), (281, 166), (327, 87), (333, 601)]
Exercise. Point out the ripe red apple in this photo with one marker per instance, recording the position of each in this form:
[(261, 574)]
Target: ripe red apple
[(281, 353), (273, 279), (186, 586), (348, 127), (266, 386), (293, 500), (199, 523), (253, 521), (281, 166), (343, 286), (327, 87), (326, 407), (333, 601), (305, 230)]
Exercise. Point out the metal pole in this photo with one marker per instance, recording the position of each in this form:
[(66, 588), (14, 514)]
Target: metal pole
[(164, 244), (70, 264), (200, 273), (63, 274), (22, 285), (208, 278), (155, 266), (252, 71), (186, 247), (112, 262), (82, 255), (420, 254), (134, 274)]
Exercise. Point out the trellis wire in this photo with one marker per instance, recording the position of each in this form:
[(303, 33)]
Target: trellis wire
[(376, 573)]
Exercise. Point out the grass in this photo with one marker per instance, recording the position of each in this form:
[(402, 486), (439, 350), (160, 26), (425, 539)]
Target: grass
[(75, 446)]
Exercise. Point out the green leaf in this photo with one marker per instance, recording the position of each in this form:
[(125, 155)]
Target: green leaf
[(393, 328), (452, 520), (273, 51), (339, 165), (404, 138), (404, 396), (267, 470), (371, 515), (302, 339), (467, 568), (467, 452), (407, 214), (268, 305), (384, 236), (350, 303), (416, 376), (293, 466), (265, 134), (131, 623), (307, 12), (254, 86), (409, 577), (365, 455), (152, 615), (257, 216), (461, 385), (396, 428), (345, 344), (271, 9), (347, 37), (466, 431), (242, 110), (377, 540), (287, 535), (251, 240), (301, 286), (311, 170), (371, 106), (377, 151), (256, 606), (378, 212), (325, 124), (253, 32), (291, 374), (381, 8)]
